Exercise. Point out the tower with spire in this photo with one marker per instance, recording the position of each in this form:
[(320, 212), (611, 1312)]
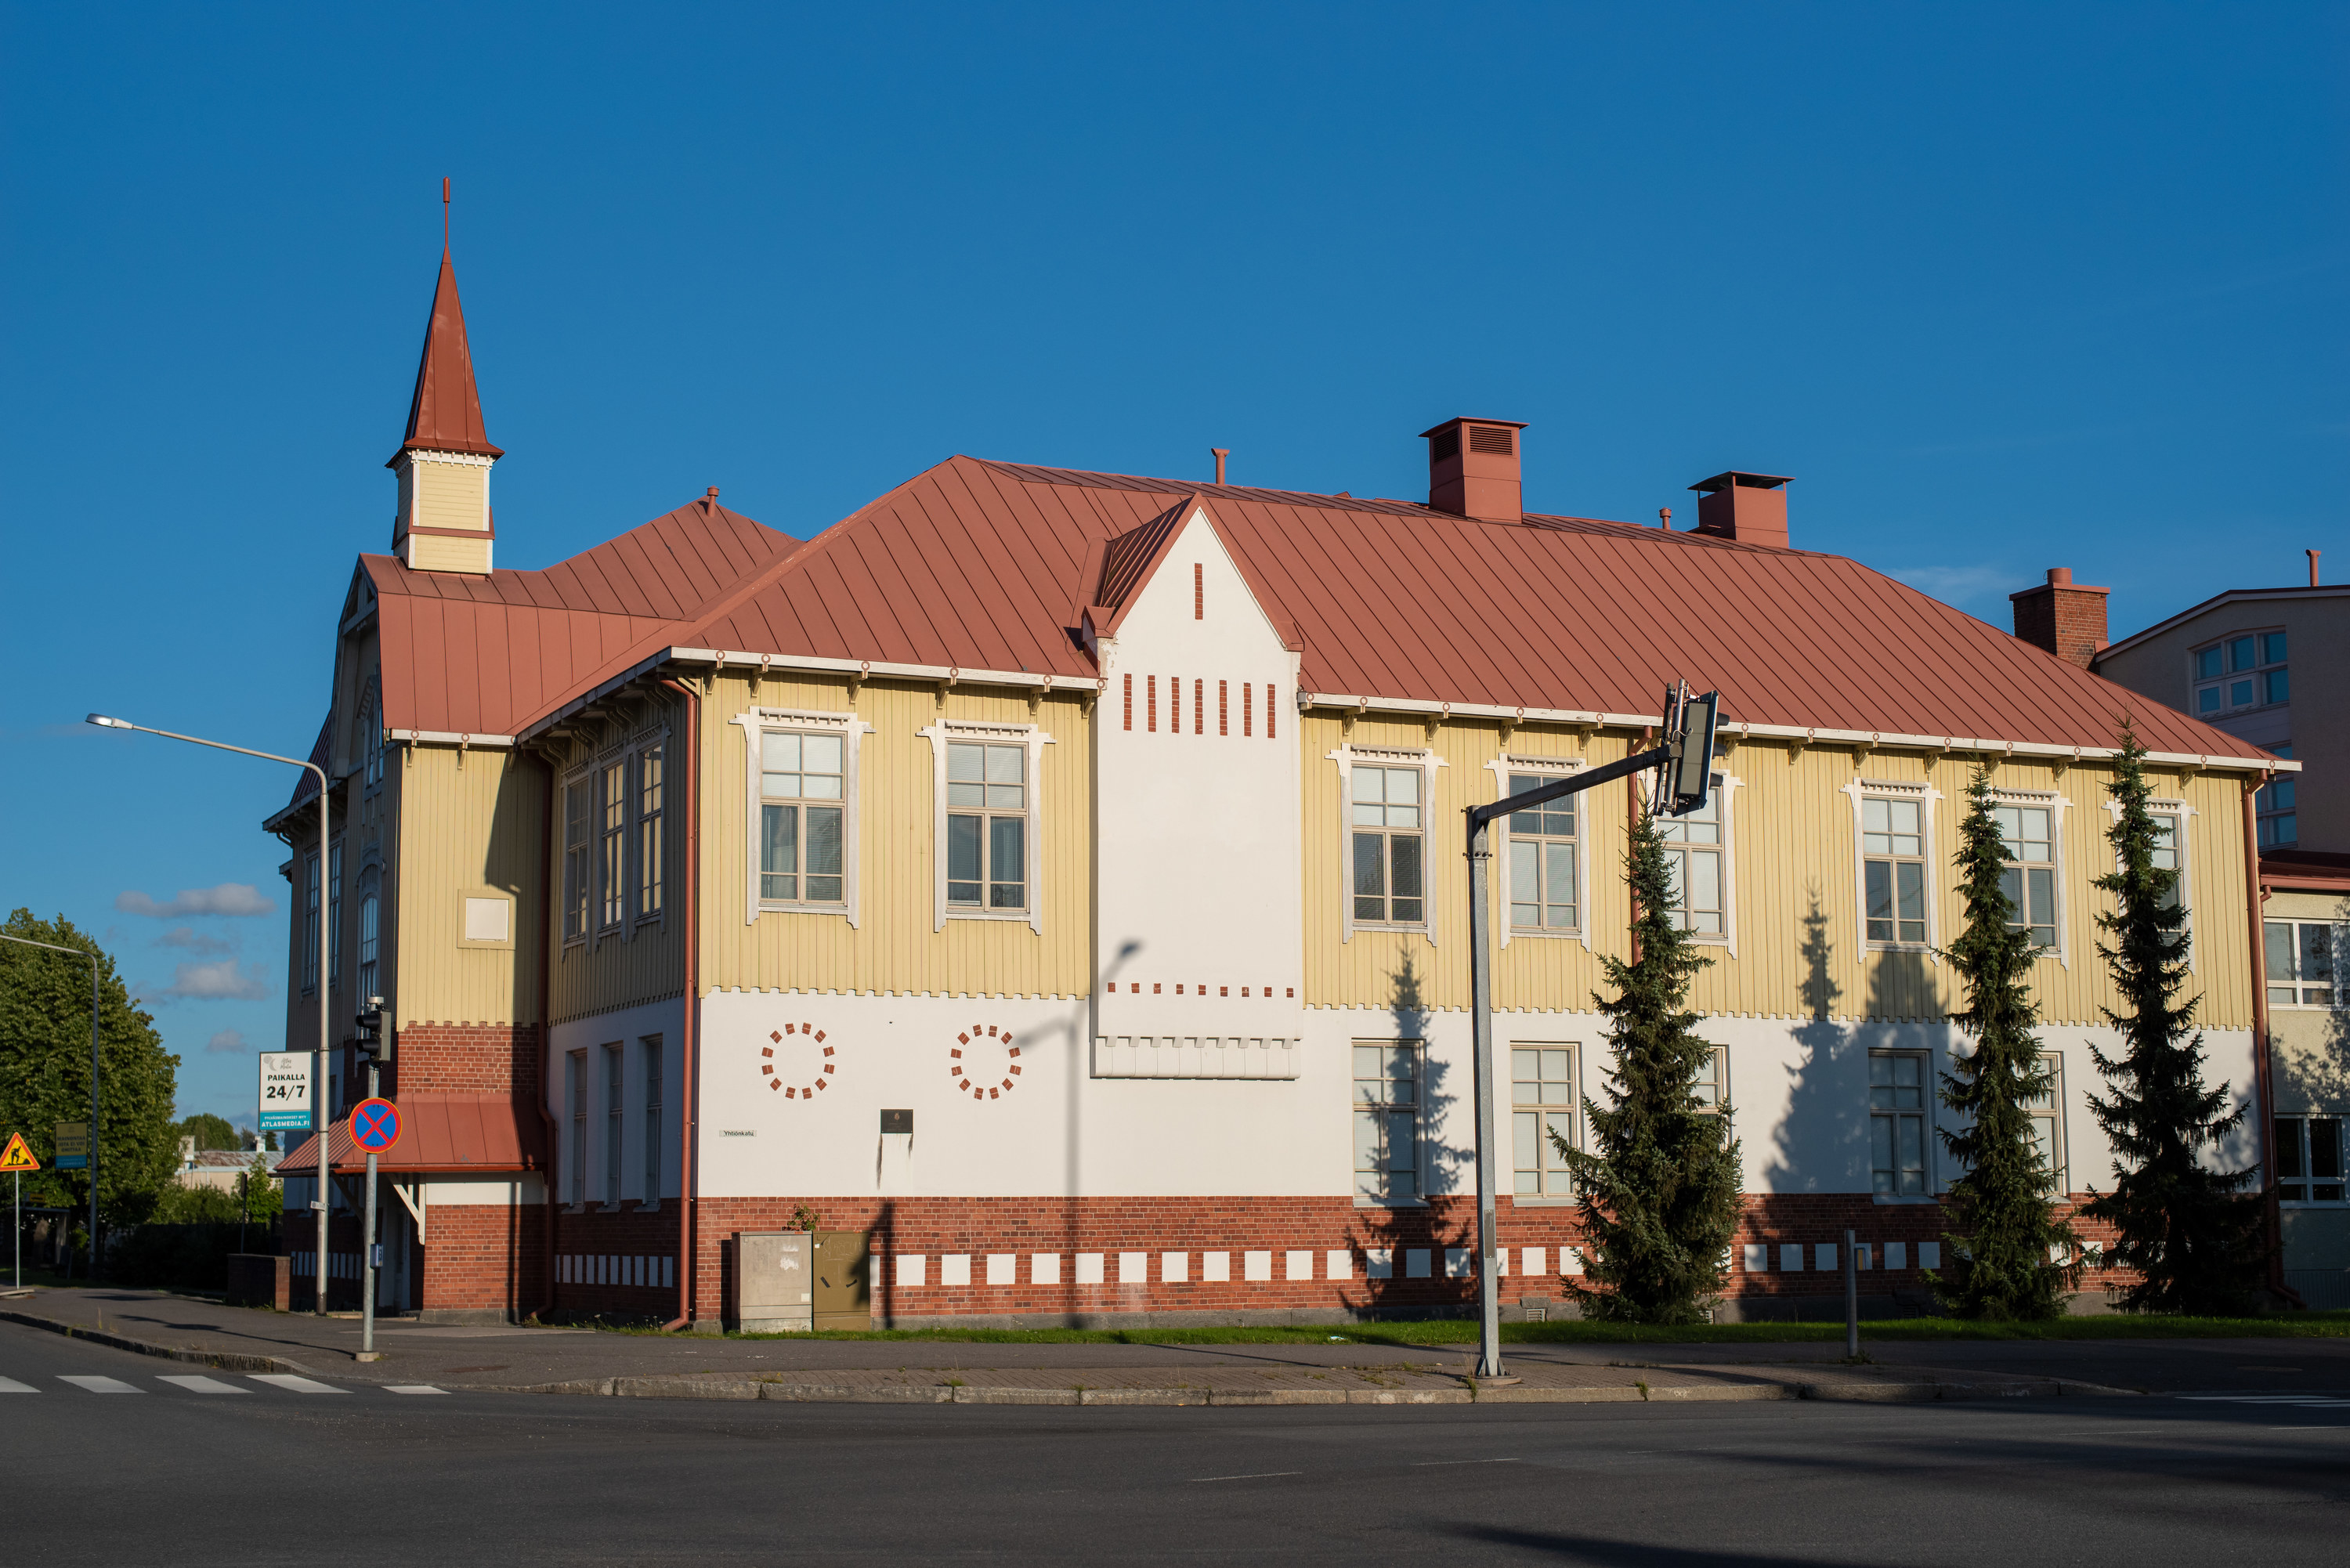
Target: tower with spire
[(443, 465)]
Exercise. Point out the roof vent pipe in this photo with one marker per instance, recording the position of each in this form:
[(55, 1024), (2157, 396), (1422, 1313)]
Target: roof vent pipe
[(1665, 518), (1221, 452), (2312, 555)]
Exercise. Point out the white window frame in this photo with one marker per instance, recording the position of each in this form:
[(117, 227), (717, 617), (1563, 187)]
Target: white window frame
[(2055, 1112), (1419, 1130), (2262, 667), (579, 890), (575, 1086), (650, 1056), (1501, 767), (314, 909), (1030, 736), (2056, 802), (616, 1132), (639, 820), (370, 739), (2183, 814), (368, 966), (1573, 1107), (1927, 1085), (1421, 757), (335, 917), (2301, 1118), (2337, 949), (852, 731), (2267, 815), (1925, 794), (1725, 789)]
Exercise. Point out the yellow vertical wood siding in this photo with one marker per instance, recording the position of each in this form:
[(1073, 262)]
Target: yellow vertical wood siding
[(462, 823), (894, 946), (1794, 884)]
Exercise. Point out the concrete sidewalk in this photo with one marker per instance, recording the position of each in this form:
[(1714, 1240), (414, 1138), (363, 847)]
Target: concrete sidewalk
[(587, 1361)]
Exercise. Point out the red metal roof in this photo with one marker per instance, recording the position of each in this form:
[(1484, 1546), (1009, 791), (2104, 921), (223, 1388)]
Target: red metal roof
[(974, 564), (487, 1133), (482, 655), (445, 414), (2305, 870)]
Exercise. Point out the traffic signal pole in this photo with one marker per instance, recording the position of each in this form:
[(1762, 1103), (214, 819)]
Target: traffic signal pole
[(366, 1241), (1481, 965)]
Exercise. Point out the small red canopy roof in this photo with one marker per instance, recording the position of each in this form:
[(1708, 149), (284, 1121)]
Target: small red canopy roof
[(441, 1134)]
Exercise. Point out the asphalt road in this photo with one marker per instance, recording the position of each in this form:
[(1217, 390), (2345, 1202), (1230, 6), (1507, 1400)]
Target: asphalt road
[(133, 1467)]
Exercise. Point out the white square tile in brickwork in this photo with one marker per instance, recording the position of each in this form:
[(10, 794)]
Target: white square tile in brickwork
[(1216, 1267), (1929, 1254), (1175, 1268), (1298, 1264), (1456, 1263), (1533, 1262), (1823, 1258), (1134, 1268), (1415, 1263), (911, 1269), (1090, 1268), (1378, 1262), (1757, 1257), (1897, 1255), (1004, 1268), (1257, 1265), (1043, 1268), (1338, 1263), (955, 1269), (1791, 1257)]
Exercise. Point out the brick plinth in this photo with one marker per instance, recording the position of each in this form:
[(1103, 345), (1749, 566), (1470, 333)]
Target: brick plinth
[(609, 1263), (1067, 1228)]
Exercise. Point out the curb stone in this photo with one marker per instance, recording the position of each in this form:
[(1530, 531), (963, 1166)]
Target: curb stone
[(219, 1360)]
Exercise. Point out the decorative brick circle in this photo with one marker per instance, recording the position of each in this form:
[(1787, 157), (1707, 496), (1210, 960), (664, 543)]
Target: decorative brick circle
[(780, 1077), (1005, 1069)]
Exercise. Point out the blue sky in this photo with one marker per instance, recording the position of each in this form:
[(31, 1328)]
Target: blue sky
[(2006, 288)]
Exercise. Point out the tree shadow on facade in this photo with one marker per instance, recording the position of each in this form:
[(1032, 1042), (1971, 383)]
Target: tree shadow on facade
[(1823, 1110), (1444, 1176)]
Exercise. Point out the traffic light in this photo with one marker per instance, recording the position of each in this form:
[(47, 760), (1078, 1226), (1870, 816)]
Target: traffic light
[(372, 1038), (1689, 775)]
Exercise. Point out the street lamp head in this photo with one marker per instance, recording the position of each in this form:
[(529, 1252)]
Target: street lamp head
[(103, 722)]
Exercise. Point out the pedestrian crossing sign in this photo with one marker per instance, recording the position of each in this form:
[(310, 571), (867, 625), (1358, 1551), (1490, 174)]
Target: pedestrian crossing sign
[(16, 1156)]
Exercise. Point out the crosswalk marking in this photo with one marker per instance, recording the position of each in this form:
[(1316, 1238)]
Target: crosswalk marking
[(10, 1385), (412, 1388), (97, 1385), (195, 1384), (2298, 1401), (297, 1385)]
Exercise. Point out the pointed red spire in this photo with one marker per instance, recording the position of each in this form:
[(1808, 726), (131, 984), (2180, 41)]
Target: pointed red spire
[(445, 415)]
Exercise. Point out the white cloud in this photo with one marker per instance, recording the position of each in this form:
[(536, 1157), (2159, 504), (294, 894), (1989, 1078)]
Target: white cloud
[(229, 1043), (228, 898), (194, 942), (221, 981)]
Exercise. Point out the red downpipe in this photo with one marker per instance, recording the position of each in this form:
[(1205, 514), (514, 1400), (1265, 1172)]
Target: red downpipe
[(687, 1239), (550, 920)]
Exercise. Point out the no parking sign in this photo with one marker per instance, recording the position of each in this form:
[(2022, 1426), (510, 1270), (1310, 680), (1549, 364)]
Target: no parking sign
[(375, 1125)]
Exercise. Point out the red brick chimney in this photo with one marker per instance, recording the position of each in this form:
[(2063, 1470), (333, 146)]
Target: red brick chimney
[(1473, 469), (2067, 617), (1750, 508)]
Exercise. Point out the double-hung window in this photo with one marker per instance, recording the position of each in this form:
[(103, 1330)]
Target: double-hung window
[(370, 933), (576, 877), (652, 1054), (2046, 1110), (612, 1113), (371, 746), (2247, 670), (2300, 962), (1385, 817), (2166, 857), (1386, 1121), (1542, 1108), (987, 825), (650, 786), (2309, 1160), (1896, 1123), (1693, 846), (801, 817), (2280, 825), (574, 1069), (335, 917), (1542, 861), (311, 893), (1893, 870), (2027, 835), (612, 841)]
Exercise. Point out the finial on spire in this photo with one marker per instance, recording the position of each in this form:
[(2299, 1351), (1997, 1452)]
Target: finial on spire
[(445, 211)]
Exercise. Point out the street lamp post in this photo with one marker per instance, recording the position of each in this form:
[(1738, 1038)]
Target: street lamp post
[(91, 954), (324, 1207)]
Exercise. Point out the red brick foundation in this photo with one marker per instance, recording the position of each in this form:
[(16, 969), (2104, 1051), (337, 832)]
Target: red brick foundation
[(976, 1226)]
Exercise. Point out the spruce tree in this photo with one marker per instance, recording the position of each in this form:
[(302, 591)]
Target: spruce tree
[(2005, 1227), (2192, 1233), (1661, 1191)]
